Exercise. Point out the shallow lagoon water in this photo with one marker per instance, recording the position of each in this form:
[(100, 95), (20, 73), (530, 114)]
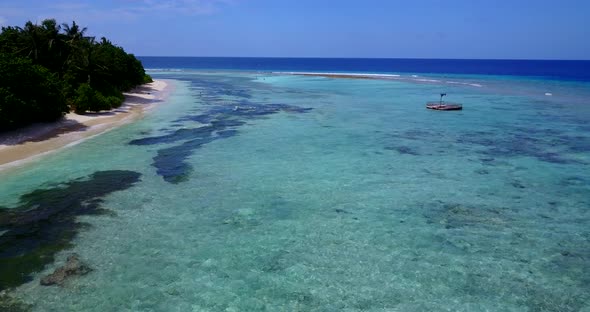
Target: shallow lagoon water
[(318, 194)]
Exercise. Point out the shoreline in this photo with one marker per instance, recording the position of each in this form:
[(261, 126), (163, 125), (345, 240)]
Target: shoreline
[(30, 143)]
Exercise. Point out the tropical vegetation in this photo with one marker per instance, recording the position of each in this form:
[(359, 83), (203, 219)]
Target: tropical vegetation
[(47, 70)]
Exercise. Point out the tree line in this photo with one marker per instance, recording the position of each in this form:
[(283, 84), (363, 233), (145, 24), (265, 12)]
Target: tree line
[(48, 69)]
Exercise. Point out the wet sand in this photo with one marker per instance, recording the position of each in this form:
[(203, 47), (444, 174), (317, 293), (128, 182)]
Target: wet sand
[(30, 143)]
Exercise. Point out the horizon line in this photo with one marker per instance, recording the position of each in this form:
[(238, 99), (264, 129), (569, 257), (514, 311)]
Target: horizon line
[(366, 58)]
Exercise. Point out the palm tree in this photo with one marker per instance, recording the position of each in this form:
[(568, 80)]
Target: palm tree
[(41, 43), (54, 49), (73, 33), (31, 35), (51, 30), (80, 48)]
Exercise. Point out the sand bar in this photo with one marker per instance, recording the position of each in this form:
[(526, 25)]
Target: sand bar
[(26, 144), (412, 78)]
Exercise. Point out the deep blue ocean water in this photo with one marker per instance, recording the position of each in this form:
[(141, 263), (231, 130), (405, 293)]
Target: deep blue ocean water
[(549, 69), (253, 189)]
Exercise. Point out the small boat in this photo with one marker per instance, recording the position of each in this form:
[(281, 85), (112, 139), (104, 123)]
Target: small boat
[(445, 106), (441, 105)]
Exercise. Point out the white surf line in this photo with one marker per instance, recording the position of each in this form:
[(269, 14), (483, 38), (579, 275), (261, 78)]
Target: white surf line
[(338, 74), (465, 83), (382, 76)]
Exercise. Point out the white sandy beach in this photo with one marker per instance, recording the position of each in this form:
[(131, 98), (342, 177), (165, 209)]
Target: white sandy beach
[(29, 143)]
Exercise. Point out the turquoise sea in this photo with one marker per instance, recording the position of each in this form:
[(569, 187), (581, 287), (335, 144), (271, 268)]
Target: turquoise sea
[(259, 191)]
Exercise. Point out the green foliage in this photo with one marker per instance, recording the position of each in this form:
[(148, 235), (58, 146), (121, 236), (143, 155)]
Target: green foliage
[(46, 69), (28, 93), (115, 101), (147, 78), (88, 99)]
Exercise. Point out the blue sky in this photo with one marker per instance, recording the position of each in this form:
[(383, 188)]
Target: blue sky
[(500, 29)]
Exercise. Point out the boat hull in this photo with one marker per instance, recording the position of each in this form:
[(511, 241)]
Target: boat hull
[(444, 107)]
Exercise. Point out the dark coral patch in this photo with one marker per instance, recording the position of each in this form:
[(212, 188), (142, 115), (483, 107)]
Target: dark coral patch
[(406, 150), (177, 135), (227, 106), (453, 216), (45, 222), (546, 145), (220, 122), (170, 162)]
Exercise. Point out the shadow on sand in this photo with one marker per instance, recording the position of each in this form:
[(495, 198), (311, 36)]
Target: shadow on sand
[(40, 132)]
